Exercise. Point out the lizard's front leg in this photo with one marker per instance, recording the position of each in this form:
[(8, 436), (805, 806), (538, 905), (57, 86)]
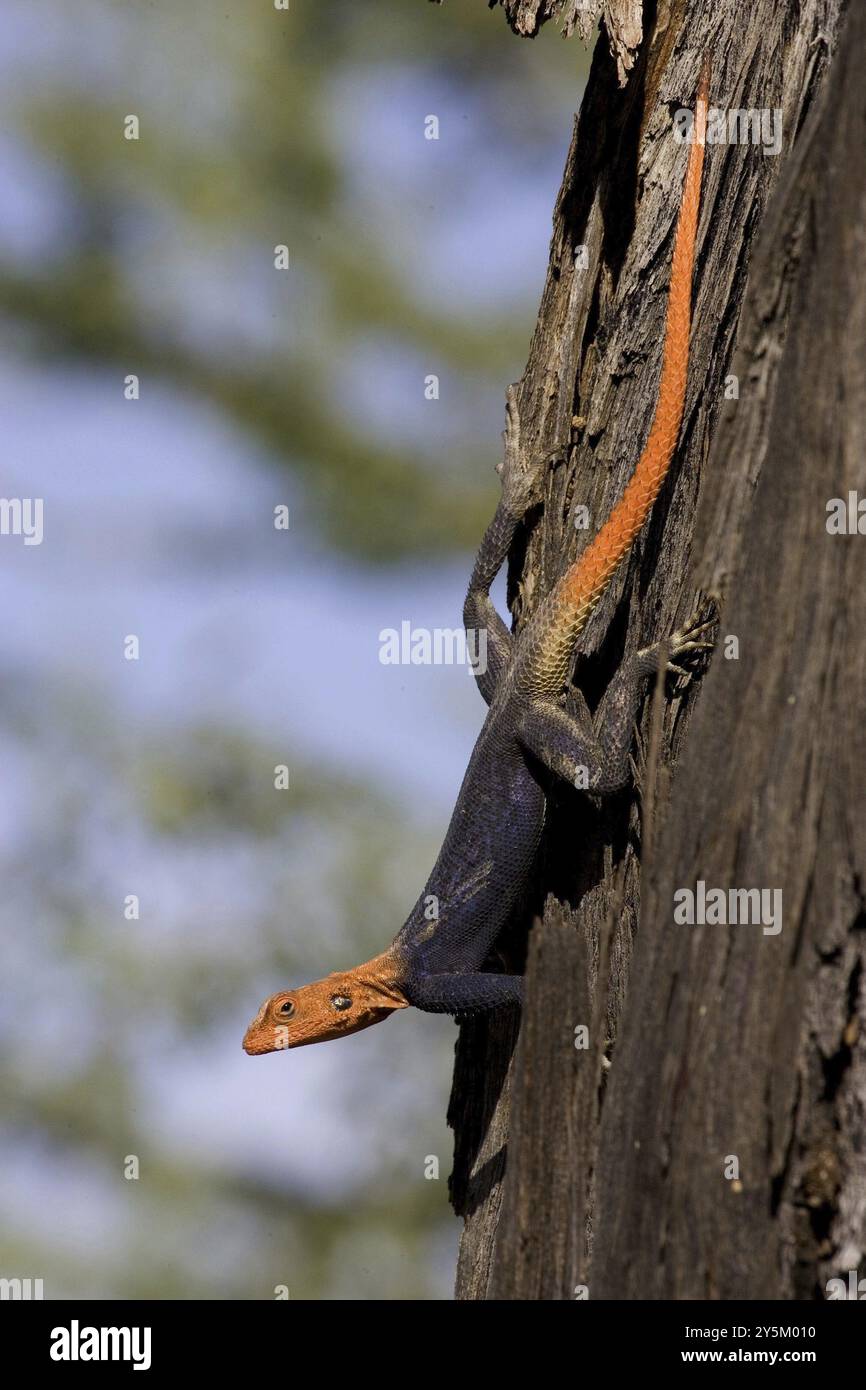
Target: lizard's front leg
[(463, 994), (593, 754)]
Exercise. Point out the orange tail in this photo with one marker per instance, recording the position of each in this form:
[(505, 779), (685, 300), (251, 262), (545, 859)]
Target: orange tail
[(584, 583)]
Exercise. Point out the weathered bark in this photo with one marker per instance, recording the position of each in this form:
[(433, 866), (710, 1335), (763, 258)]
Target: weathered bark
[(706, 1041), (623, 22)]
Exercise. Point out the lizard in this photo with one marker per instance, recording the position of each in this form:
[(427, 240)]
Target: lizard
[(538, 724)]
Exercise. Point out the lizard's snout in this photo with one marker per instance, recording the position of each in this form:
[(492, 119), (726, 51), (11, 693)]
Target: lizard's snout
[(259, 1038), (256, 1041)]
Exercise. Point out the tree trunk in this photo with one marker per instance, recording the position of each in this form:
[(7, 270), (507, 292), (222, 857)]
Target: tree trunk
[(710, 1141)]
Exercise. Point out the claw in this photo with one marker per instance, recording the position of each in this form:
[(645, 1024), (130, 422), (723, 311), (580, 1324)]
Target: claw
[(696, 629), (638, 761), (680, 648)]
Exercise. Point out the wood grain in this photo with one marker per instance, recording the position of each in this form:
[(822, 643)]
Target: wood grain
[(604, 1166)]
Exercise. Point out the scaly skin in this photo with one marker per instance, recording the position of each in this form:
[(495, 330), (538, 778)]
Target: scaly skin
[(434, 962)]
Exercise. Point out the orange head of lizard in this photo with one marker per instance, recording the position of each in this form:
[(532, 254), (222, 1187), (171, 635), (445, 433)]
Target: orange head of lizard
[(342, 1003)]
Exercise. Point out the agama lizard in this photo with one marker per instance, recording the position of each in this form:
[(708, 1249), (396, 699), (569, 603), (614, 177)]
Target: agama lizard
[(434, 962)]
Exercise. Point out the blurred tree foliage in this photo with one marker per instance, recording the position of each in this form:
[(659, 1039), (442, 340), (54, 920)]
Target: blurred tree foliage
[(96, 1006), (250, 127), (254, 126)]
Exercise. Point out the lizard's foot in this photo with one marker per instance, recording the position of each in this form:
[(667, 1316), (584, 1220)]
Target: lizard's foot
[(521, 480), (689, 644), (692, 642)]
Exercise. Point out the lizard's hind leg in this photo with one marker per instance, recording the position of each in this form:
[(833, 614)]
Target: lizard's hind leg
[(487, 635), (593, 754), (487, 638)]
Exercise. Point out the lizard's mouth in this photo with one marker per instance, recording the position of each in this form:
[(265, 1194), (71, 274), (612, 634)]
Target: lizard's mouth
[(255, 1043)]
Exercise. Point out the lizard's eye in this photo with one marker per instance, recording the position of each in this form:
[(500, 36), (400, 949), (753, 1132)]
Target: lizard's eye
[(287, 1008), (341, 1001)]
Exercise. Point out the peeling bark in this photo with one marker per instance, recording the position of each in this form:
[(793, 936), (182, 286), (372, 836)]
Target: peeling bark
[(604, 1166), (622, 20)]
